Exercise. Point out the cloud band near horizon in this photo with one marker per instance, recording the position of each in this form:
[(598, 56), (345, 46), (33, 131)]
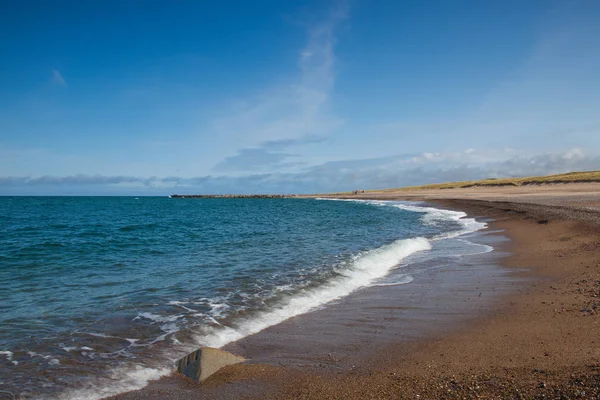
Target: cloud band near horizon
[(378, 173)]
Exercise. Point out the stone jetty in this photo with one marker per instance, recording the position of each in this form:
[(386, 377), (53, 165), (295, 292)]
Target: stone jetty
[(232, 196)]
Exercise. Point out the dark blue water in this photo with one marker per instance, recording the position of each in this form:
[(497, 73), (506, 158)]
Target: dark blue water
[(92, 288)]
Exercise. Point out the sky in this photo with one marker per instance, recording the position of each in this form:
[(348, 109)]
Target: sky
[(160, 97)]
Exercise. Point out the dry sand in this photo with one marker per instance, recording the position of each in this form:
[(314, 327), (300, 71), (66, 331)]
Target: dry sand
[(540, 340)]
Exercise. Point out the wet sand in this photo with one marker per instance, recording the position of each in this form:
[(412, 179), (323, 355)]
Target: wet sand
[(528, 329)]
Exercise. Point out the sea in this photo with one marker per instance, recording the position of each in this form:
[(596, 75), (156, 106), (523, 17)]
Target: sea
[(100, 295)]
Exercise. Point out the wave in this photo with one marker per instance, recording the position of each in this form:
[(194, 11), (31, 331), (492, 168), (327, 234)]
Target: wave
[(120, 380), (437, 216), (432, 216), (51, 360), (9, 356), (365, 269), (402, 281)]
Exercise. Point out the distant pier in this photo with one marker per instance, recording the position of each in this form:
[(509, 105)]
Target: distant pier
[(231, 196)]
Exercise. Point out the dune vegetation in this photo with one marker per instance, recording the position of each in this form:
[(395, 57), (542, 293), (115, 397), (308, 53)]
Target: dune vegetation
[(570, 177)]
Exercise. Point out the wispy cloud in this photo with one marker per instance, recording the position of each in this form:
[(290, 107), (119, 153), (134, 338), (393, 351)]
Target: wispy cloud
[(287, 113), (267, 155), (57, 78), (78, 179), (252, 160)]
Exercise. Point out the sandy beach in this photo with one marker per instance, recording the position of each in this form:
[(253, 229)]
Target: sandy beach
[(520, 322)]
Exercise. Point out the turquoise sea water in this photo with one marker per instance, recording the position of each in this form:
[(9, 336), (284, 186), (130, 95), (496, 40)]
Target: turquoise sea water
[(100, 294)]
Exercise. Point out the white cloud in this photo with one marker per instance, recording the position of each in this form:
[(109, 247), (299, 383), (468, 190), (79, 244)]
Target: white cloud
[(298, 107), (304, 55), (574, 154), (57, 78)]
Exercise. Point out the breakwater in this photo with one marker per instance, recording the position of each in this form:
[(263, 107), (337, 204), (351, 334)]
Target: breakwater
[(231, 196)]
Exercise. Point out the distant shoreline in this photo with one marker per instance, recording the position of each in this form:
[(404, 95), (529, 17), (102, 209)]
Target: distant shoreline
[(588, 181)]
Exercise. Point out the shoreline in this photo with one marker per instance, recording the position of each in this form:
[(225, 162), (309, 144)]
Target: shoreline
[(537, 341)]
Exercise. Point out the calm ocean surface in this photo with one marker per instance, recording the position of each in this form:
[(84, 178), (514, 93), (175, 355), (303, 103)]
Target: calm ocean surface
[(100, 294)]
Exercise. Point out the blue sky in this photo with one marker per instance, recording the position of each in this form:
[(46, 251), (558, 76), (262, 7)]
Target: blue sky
[(156, 97)]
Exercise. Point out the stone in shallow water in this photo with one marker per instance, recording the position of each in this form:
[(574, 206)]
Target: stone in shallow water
[(205, 361)]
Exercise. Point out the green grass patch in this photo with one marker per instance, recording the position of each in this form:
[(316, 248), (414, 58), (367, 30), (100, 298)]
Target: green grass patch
[(571, 177)]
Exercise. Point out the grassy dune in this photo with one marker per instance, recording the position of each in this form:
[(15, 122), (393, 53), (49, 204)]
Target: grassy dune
[(571, 177)]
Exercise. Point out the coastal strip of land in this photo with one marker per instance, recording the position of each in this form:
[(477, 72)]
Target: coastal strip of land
[(539, 340)]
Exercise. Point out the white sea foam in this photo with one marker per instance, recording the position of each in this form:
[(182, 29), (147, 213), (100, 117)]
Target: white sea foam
[(218, 306), (51, 360), (167, 324), (182, 305), (365, 269), (158, 318), (402, 281), (75, 348), (434, 216), (122, 379), (483, 248), (102, 335), (9, 356)]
